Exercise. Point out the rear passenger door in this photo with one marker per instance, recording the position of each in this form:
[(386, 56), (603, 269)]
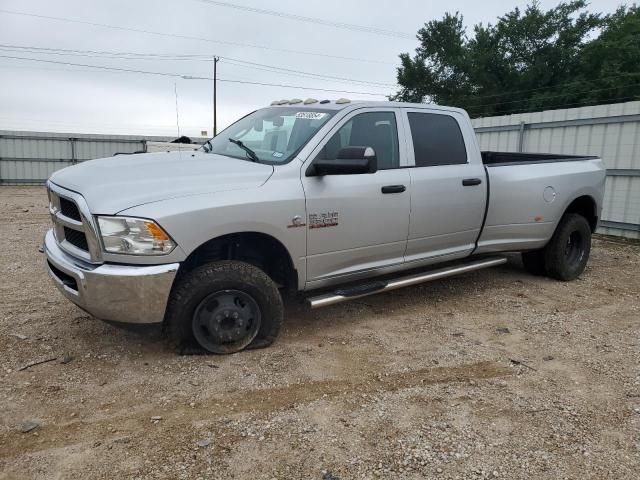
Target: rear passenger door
[(448, 186)]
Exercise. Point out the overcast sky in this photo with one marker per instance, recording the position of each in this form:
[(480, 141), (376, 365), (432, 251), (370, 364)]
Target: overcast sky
[(55, 97)]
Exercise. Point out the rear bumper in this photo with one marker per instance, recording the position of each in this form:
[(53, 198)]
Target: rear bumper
[(118, 293)]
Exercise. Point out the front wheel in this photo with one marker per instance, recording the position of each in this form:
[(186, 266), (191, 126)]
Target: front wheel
[(566, 255), (224, 307)]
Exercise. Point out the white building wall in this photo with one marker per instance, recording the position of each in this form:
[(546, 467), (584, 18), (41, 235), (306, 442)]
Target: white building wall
[(29, 158)]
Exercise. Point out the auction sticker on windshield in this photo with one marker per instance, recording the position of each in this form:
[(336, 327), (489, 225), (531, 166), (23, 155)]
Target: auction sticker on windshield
[(310, 115)]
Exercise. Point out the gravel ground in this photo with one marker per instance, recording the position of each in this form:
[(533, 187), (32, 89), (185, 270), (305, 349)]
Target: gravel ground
[(495, 374)]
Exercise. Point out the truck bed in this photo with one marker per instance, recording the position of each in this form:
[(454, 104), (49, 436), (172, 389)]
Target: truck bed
[(515, 158), (528, 193)]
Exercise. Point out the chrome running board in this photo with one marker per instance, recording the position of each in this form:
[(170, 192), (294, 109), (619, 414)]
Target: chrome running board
[(371, 288)]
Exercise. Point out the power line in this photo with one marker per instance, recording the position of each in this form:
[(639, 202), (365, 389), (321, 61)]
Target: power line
[(554, 96), (191, 77), (290, 71), (188, 37), (551, 87), (587, 103), (200, 57), (318, 21), (122, 126), (108, 54), (230, 60), (266, 67), (72, 69)]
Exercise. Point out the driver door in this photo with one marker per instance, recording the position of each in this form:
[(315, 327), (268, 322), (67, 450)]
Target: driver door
[(358, 223)]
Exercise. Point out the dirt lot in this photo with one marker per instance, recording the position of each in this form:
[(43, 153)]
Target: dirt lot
[(493, 374)]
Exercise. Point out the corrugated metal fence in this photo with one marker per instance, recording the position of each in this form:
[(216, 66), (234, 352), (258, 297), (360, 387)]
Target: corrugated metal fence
[(610, 131), (31, 157)]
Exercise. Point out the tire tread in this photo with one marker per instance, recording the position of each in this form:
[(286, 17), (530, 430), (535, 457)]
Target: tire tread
[(554, 260), (198, 282)]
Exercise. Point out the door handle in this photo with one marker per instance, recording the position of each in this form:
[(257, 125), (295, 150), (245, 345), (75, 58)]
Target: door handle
[(469, 182), (394, 189)]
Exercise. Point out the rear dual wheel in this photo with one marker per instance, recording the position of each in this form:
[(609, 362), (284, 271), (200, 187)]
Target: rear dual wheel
[(565, 256), (224, 307)]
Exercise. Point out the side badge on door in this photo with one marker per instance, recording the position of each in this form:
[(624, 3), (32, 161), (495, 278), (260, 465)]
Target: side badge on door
[(323, 220), (296, 222)]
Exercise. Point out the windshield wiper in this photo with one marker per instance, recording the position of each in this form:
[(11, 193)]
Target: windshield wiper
[(250, 153)]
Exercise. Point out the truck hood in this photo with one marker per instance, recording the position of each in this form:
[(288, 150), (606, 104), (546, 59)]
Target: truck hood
[(110, 185)]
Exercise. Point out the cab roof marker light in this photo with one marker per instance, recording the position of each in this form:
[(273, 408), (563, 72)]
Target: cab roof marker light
[(283, 102), (340, 101), (275, 102), (322, 102), (294, 101), (309, 101)]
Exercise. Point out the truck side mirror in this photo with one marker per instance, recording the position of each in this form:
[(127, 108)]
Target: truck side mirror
[(349, 161)]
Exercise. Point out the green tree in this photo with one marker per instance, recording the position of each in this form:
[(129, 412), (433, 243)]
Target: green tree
[(611, 62), (529, 60)]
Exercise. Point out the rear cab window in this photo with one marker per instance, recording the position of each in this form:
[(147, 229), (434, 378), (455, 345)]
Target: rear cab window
[(437, 139)]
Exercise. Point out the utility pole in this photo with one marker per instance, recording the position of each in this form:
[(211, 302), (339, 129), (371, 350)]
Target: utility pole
[(215, 91), (175, 89)]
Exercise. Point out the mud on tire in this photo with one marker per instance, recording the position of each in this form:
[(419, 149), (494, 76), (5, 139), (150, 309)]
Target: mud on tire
[(224, 307)]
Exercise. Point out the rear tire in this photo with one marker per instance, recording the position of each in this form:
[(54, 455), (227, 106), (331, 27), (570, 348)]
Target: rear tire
[(566, 255), (534, 262), (224, 307)]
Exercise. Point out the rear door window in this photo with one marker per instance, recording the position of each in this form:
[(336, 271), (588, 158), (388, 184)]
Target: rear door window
[(437, 140)]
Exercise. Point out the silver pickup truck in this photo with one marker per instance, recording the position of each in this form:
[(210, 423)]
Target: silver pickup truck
[(340, 196)]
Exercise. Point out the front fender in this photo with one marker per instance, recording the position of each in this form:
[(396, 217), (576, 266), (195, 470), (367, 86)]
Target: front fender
[(270, 210)]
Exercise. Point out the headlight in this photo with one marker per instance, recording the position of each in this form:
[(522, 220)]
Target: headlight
[(134, 236)]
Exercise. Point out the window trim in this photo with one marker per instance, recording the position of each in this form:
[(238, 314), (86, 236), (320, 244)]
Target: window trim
[(409, 137), (403, 159)]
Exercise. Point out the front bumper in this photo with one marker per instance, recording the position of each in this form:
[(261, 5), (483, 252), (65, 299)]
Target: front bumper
[(117, 293)]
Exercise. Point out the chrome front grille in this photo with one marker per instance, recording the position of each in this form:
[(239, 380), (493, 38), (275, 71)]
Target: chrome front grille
[(73, 224), (77, 239), (69, 209)]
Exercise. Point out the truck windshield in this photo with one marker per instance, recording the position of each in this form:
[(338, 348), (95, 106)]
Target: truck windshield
[(274, 135)]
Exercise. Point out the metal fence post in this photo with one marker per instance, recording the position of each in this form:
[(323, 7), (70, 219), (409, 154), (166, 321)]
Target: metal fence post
[(521, 137), (74, 160)]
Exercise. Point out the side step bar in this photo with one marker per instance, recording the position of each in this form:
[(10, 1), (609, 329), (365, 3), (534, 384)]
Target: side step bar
[(363, 290)]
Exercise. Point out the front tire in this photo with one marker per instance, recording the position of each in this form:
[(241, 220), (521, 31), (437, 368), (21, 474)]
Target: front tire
[(567, 253), (224, 307)]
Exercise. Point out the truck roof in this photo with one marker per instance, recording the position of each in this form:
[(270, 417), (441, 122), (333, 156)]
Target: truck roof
[(345, 103)]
